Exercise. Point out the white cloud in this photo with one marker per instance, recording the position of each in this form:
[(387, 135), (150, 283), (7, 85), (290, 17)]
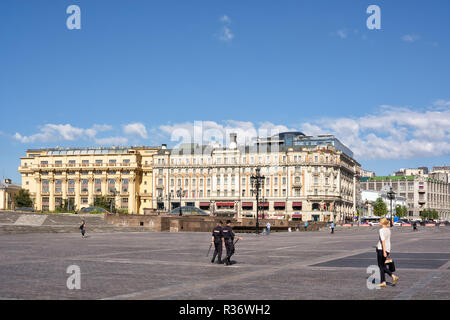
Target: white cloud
[(410, 37), (226, 35), (442, 103), (112, 141), (210, 132), (137, 129), (393, 133), (342, 34), (61, 132), (225, 19)]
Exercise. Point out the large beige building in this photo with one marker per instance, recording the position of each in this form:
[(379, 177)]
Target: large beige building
[(302, 182), (318, 181), (78, 175)]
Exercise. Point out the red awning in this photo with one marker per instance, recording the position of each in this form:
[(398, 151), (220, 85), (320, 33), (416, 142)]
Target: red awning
[(296, 204), (279, 204), (225, 203), (264, 204), (204, 204), (279, 214), (247, 204), (296, 216)]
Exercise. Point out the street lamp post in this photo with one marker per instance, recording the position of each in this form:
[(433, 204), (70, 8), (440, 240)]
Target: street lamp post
[(169, 196), (181, 194), (391, 196), (257, 183)]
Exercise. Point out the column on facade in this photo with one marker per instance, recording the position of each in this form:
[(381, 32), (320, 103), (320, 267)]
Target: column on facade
[(38, 199), (77, 194), (91, 191), (64, 188), (117, 186), (51, 205), (104, 186), (131, 195)]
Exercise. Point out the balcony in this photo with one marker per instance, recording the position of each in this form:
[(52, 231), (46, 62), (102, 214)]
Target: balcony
[(98, 164)]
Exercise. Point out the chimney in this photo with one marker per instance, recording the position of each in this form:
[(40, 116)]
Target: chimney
[(233, 140), (233, 137)]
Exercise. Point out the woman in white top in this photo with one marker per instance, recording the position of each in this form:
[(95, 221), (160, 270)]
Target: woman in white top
[(383, 250)]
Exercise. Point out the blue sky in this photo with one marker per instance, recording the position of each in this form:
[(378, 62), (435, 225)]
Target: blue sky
[(138, 71)]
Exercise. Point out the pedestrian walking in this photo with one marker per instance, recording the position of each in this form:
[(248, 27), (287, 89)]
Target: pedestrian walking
[(414, 226), (332, 227), (268, 228), (306, 225), (383, 251), (218, 242), (83, 228), (228, 237)]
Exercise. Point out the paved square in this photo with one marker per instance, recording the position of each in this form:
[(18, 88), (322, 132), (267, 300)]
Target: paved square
[(297, 265)]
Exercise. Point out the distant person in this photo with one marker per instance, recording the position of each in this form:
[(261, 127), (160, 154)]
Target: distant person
[(268, 228), (332, 227), (383, 251), (306, 225), (83, 228), (414, 226)]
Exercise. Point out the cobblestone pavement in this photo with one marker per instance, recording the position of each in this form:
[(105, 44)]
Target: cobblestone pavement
[(297, 265)]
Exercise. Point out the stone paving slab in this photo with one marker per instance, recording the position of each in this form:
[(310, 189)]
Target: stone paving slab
[(297, 265)]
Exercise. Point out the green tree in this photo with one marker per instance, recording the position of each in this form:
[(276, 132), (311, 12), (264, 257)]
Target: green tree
[(23, 199), (425, 214), (380, 208), (434, 215), (103, 202), (401, 211)]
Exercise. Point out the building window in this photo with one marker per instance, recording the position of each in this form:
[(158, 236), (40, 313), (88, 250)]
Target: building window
[(58, 186), (125, 185), (98, 185), (84, 185), (45, 186)]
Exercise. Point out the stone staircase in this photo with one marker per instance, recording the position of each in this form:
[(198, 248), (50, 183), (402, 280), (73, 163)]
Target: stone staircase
[(12, 222)]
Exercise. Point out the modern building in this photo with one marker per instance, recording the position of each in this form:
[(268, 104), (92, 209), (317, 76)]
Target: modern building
[(299, 139), (8, 192), (79, 175), (301, 182), (421, 192)]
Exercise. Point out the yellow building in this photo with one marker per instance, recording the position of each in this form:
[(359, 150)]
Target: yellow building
[(8, 192), (78, 175)]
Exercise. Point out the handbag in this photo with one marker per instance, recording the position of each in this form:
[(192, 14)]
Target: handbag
[(390, 265)]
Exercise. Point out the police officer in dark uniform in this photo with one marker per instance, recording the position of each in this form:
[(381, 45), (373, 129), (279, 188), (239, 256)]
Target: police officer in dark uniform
[(228, 237), (217, 240)]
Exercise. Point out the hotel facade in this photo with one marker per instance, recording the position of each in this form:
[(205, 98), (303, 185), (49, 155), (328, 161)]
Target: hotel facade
[(317, 182)]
